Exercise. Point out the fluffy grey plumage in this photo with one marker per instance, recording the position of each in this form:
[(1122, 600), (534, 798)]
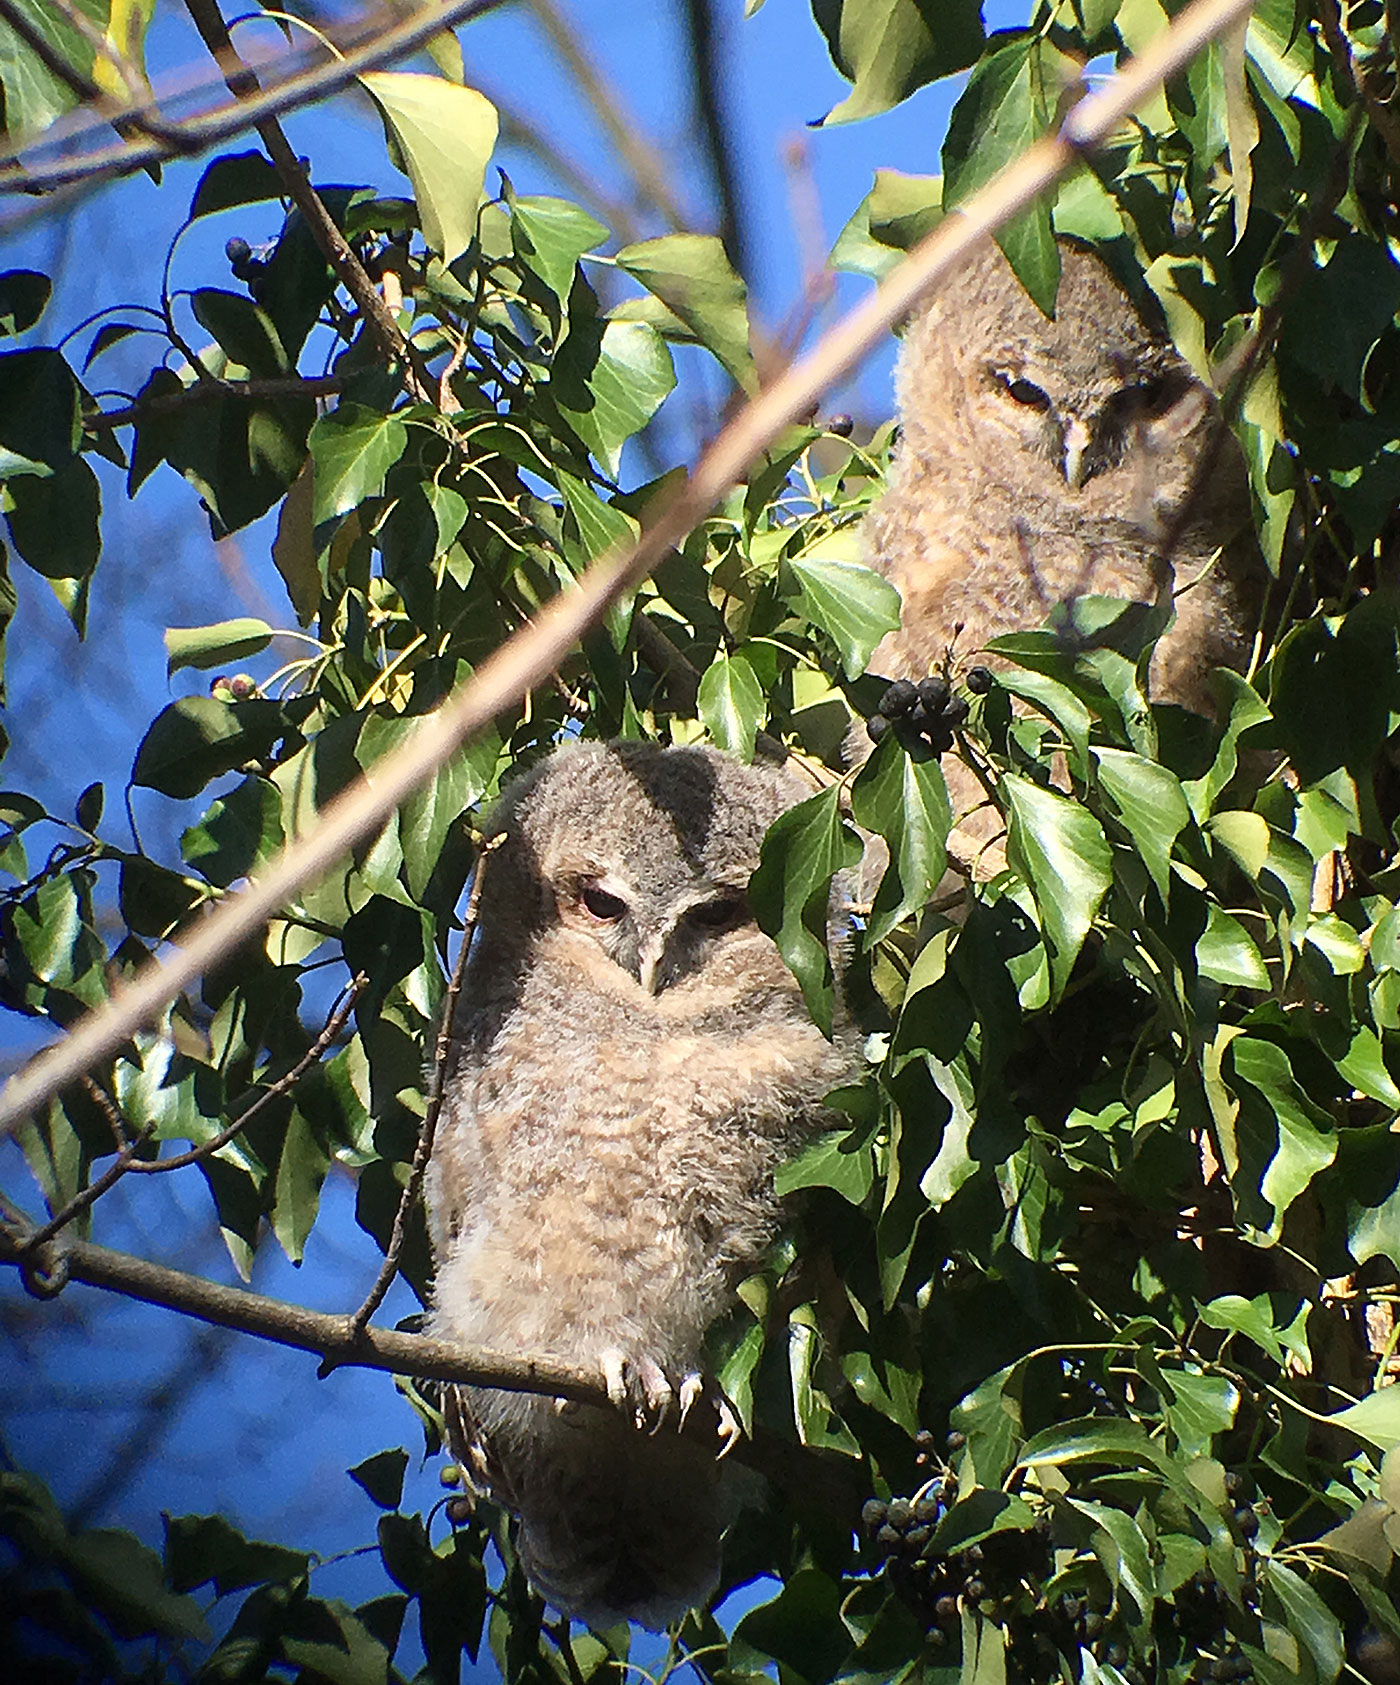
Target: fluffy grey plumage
[(1047, 460), (630, 1062)]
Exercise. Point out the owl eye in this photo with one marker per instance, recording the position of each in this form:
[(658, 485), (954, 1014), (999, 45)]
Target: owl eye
[(1148, 398), (725, 913), (607, 909), (1023, 392)]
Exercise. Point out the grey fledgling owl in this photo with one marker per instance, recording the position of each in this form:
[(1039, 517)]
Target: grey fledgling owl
[(630, 1062), (1044, 460)]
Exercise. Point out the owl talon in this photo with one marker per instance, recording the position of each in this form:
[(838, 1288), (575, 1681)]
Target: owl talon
[(614, 1376), (730, 1430), (657, 1395), (692, 1390)]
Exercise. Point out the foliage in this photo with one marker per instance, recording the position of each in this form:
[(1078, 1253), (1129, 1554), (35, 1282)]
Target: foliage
[(1079, 1303)]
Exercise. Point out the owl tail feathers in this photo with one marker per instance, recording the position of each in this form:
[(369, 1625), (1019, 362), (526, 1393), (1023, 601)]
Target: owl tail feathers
[(627, 1530)]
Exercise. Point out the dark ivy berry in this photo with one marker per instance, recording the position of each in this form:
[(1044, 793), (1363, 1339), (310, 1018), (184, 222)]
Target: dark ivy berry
[(955, 1440), (927, 1511), (933, 694), (237, 251), (901, 1512), (888, 1538), (956, 712), (946, 1609), (876, 727), (841, 425), (873, 1514), (1247, 1521), (979, 680), (898, 699)]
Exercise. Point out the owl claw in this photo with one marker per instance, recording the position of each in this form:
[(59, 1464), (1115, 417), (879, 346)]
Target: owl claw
[(690, 1394), (729, 1430), (657, 1396), (614, 1376)]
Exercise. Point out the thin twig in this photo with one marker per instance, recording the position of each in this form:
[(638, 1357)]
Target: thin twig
[(127, 1162), (1378, 110), (436, 1088), (163, 403), (349, 271), (644, 166), (703, 30), (360, 53), (539, 647)]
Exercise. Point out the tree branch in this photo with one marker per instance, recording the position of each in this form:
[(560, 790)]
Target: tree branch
[(195, 134), (436, 1088), (334, 1338), (538, 648), (702, 32), (163, 403), (349, 271)]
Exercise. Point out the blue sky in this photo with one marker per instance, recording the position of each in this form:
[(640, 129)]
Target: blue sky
[(253, 1433)]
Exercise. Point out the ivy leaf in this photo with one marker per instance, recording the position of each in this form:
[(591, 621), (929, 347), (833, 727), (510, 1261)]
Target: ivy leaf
[(40, 419), (1008, 104), (550, 236), (1151, 805), (905, 801), (1226, 953), (1309, 1618), (445, 134), (693, 278), (889, 48), (242, 331), (353, 448), (203, 1550), (24, 294), (237, 178), (609, 379), (237, 834), (730, 704), (55, 524), (212, 646), (791, 891), (381, 1476), (200, 738), (1061, 851), (853, 605)]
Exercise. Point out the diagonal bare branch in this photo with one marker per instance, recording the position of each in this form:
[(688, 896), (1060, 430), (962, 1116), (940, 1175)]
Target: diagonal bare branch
[(539, 647)]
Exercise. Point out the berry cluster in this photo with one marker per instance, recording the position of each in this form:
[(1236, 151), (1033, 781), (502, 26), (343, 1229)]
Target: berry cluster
[(924, 714), (1004, 1578)]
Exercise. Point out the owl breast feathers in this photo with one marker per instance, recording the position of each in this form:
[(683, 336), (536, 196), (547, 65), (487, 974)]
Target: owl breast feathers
[(630, 1061), (1044, 460)]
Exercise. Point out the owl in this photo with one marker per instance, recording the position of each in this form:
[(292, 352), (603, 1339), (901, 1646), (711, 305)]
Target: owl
[(1046, 459), (630, 1061)]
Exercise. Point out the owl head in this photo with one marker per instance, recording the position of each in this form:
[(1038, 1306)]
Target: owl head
[(1064, 399), (637, 856)]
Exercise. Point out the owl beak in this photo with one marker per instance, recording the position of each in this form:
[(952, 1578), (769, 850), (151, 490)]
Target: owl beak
[(1077, 463), (649, 972)]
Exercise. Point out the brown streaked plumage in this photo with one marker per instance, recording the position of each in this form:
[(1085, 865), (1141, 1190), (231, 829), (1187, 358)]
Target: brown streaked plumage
[(631, 1060)]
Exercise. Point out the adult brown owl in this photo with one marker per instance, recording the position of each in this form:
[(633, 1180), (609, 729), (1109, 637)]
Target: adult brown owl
[(1047, 459), (630, 1061)]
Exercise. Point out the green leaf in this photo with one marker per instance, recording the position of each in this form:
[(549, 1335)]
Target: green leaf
[(199, 739), (1376, 1418), (353, 448), (24, 293), (853, 605), (430, 812), (205, 1550), (301, 1170), (55, 525), (381, 1476), (1306, 1140), (242, 331), (1309, 1618), (213, 646), (445, 134), (1061, 851), (896, 213), (550, 236), (1197, 1407), (693, 278), (730, 702), (1226, 954), (237, 834), (1119, 1544), (237, 178), (791, 892), (1261, 1319), (1008, 104), (905, 801), (839, 1160), (609, 379), (1151, 805), (40, 418), (889, 48)]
